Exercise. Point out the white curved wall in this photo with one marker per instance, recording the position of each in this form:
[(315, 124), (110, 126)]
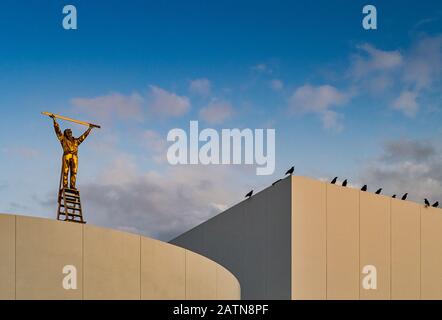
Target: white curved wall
[(110, 264)]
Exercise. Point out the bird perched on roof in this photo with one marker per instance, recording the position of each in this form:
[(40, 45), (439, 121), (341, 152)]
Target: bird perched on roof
[(334, 180), (344, 183), (436, 204), (378, 191), (290, 171), (249, 194), (364, 187), (427, 203), (404, 197), (276, 182), (393, 196)]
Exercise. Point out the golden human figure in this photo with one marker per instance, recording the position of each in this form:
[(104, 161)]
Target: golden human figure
[(70, 152)]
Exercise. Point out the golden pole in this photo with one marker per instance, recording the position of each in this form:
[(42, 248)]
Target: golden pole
[(71, 120)]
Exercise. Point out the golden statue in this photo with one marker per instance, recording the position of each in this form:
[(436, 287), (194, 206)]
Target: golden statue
[(69, 203), (70, 152), (70, 149)]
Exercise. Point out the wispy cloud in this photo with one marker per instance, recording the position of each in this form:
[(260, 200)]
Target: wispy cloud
[(423, 64), (276, 84), (3, 185), (167, 104), (406, 103), (27, 153), (407, 165), (156, 144), (408, 74), (161, 205), (111, 106), (319, 100), (372, 60), (217, 112), (262, 68), (200, 87)]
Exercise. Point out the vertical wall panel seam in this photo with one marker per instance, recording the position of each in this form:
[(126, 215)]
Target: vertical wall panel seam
[(292, 212), (139, 271), (268, 243), (82, 263), (326, 242), (420, 253), (216, 282), (185, 274), (391, 248), (15, 258), (292, 221), (266, 253), (359, 245)]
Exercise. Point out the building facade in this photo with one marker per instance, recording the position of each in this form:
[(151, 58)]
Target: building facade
[(307, 239), (49, 259)]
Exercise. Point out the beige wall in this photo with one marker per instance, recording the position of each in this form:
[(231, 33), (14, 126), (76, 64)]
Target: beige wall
[(110, 264), (108, 253), (309, 259), (374, 245), (402, 239), (334, 232), (405, 250), (43, 248), (342, 242), (431, 253), (168, 263), (7, 257)]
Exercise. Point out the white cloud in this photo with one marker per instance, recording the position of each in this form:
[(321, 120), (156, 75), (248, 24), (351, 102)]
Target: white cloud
[(276, 84), (201, 87), (407, 150), (24, 152), (167, 104), (331, 120), (156, 144), (262, 68), (161, 205), (412, 74), (413, 166), (114, 105), (216, 112), (423, 65), (373, 60), (3, 185), (319, 100), (406, 103)]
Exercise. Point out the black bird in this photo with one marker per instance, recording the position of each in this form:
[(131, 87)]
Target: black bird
[(404, 197), (394, 196), (290, 171), (427, 203), (344, 183), (249, 194), (378, 191), (276, 182), (364, 187), (436, 204), (334, 180)]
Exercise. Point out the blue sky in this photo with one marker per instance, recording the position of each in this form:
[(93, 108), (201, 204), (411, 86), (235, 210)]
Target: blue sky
[(344, 101)]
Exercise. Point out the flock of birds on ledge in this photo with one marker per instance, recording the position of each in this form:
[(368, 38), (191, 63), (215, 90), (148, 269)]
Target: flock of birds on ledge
[(344, 184)]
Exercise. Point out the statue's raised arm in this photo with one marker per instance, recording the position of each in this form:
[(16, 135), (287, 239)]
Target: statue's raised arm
[(81, 138), (57, 128)]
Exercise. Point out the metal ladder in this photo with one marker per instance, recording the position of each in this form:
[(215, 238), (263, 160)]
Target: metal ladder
[(69, 206)]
